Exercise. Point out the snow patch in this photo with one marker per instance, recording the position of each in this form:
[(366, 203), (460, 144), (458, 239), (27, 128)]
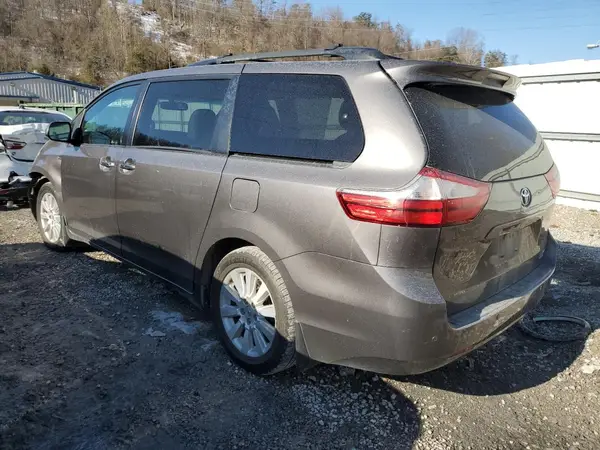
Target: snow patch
[(183, 51), (149, 21), (150, 24), (175, 320)]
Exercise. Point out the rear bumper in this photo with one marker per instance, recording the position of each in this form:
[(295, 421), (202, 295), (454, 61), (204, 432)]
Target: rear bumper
[(14, 182), (392, 320), (15, 191)]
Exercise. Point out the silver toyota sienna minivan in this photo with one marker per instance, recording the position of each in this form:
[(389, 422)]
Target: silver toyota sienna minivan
[(363, 210)]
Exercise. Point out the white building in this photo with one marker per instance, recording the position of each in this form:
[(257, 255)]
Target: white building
[(562, 99)]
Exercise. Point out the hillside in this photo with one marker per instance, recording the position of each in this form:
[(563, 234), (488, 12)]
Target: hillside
[(99, 41)]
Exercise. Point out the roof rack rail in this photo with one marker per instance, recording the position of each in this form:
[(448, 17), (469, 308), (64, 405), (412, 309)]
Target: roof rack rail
[(339, 51)]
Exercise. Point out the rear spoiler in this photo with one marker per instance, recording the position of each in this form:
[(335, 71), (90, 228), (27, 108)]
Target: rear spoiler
[(408, 72)]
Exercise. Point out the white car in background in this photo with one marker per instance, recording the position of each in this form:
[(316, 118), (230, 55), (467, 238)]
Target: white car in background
[(22, 135)]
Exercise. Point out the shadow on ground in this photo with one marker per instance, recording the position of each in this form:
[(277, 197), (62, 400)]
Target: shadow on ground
[(82, 366)]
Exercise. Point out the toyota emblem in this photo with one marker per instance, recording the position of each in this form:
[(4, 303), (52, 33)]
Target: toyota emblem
[(525, 197)]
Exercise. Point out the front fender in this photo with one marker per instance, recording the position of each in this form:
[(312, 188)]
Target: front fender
[(47, 166)]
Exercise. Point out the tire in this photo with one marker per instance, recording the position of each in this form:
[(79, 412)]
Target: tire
[(280, 355), (59, 239)]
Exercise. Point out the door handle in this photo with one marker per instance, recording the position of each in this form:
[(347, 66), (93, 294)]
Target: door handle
[(128, 165), (106, 163)]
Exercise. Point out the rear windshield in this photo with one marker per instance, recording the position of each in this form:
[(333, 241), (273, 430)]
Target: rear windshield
[(472, 131), (24, 117), (296, 116)]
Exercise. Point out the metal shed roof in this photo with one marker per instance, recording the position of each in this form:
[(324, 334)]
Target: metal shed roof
[(45, 88), (6, 90)]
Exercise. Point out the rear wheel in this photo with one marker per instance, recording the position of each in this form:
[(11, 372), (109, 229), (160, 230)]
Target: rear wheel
[(252, 312), (50, 220)]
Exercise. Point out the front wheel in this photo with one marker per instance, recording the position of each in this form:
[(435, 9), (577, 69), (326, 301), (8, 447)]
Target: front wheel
[(50, 219), (252, 312)]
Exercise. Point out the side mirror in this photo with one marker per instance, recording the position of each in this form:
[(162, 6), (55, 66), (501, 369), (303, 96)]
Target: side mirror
[(59, 132)]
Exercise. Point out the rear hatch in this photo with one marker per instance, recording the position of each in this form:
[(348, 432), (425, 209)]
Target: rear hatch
[(473, 129)]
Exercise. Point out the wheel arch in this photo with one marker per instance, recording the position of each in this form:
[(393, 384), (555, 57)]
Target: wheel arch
[(46, 168), (214, 249), (38, 180)]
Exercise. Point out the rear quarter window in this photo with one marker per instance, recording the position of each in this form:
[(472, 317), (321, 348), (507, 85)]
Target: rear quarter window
[(310, 117)]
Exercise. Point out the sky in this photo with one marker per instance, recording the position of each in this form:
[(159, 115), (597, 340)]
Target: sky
[(537, 31)]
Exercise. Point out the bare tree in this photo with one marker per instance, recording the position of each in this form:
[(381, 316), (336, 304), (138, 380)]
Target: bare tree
[(495, 58), (469, 45)]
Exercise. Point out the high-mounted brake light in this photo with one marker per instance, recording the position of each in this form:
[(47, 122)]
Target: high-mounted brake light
[(435, 198), (553, 179)]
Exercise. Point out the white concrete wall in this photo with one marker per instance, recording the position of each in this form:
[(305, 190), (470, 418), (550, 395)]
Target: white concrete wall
[(566, 107), (570, 107), (579, 164)]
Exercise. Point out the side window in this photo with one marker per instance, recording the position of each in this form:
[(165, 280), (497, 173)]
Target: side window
[(105, 122), (182, 114), (296, 116)]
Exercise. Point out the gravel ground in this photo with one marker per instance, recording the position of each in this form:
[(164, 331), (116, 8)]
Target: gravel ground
[(96, 355)]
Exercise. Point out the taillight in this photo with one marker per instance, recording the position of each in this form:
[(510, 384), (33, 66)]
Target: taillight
[(435, 198), (553, 179), (14, 145)]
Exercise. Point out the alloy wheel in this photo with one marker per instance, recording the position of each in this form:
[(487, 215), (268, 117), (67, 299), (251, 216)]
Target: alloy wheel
[(50, 217), (247, 312)]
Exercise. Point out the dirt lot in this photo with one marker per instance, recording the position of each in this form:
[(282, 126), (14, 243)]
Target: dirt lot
[(96, 355)]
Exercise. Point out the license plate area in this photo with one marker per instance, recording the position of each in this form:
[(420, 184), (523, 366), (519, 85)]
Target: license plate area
[(518, 245)]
